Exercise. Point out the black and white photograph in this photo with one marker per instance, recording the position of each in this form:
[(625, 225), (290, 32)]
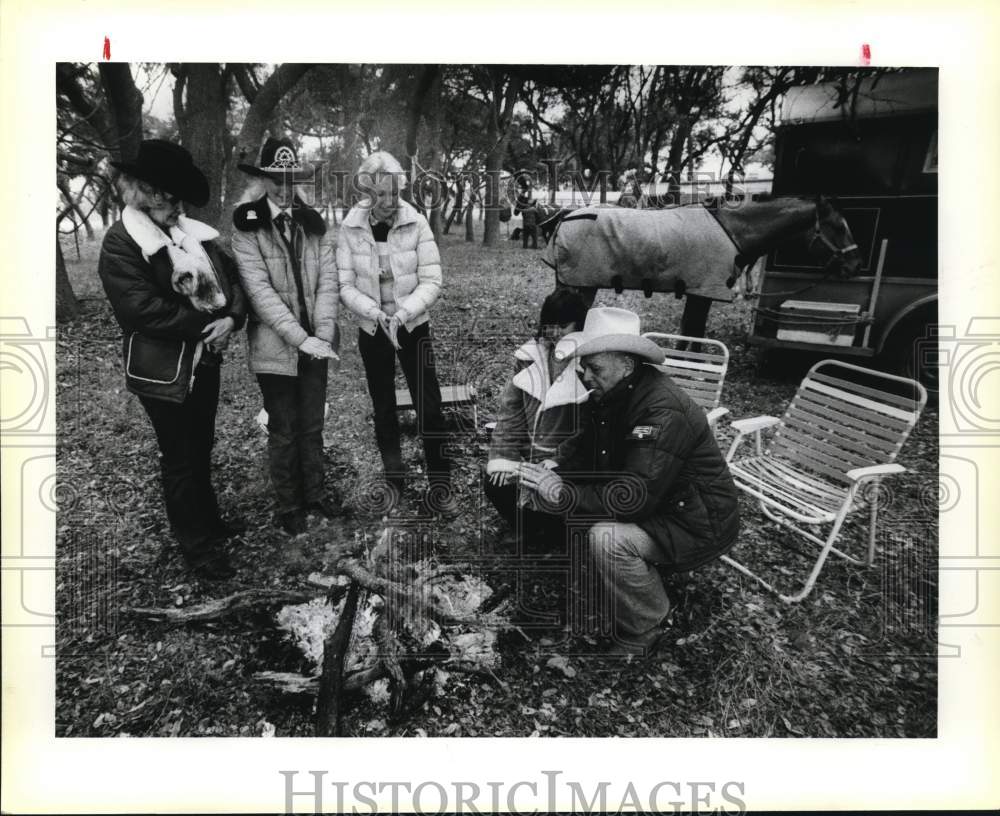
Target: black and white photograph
[(496, 400), (479, 403)]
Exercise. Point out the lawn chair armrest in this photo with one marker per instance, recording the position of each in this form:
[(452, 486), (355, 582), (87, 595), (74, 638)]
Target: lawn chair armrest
[(746, 426), (872, 471), (715, 414)]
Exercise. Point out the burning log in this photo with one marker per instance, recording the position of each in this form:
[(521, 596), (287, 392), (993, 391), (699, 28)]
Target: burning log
[(332, 680)]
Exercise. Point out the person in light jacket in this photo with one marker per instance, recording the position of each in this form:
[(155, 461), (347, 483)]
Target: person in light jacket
[(543, 405), (286, 263), (390, 277), (177, 297)]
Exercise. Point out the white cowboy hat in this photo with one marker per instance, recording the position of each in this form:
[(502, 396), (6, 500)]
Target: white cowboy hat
[(609, 329)]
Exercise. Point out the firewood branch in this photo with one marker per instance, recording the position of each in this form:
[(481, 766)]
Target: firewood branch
[(328, 710), (217, 609)]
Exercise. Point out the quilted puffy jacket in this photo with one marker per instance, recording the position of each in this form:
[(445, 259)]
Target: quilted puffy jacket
[(274, 330), (647, 457), (413, 256), (535, 416)]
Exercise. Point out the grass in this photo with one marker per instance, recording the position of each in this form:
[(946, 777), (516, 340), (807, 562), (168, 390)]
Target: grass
[(857, 658)]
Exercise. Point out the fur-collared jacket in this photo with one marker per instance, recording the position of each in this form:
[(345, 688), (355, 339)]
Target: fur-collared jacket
[(413, 257), (646, 456), (274, 328), (160, 327), (536, 416)]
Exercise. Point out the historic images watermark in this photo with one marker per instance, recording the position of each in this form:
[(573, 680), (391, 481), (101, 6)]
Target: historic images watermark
[(314, 792), (321, 185)]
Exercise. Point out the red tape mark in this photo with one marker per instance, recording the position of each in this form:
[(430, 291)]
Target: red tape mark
[(866, 54), (107, 48)]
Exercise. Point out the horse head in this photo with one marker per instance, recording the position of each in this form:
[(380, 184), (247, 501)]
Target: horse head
[(833, 233)]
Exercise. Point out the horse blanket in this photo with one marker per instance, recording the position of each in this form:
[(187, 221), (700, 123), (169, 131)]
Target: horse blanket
[(682, 250)]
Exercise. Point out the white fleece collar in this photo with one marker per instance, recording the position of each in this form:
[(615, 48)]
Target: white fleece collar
[(566, 389), (151, 239)]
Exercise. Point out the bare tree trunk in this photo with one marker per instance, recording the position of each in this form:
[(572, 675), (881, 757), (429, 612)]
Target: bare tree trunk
[(67, 307), (73, 207), (251, 137), (434, 213), (432, 116), (498, 119), (470, 224), (125, 105), (457, 207), (494, 164), (104, 208), (203, 131), (677, 144)]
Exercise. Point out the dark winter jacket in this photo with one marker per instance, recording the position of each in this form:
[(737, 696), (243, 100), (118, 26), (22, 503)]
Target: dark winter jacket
[(161, 330), (528, 209), (648, 457), (275, 330)]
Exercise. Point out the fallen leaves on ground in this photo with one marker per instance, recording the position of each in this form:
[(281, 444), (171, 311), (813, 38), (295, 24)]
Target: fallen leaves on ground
[(857, 658)]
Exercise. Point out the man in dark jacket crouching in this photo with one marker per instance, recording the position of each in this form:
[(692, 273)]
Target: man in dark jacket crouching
[(646, 472)]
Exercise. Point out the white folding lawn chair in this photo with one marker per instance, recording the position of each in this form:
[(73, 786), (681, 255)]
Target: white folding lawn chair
[(700, 373), (836, 436)]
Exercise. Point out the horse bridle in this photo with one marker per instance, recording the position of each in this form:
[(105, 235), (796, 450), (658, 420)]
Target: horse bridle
[(837, 253)]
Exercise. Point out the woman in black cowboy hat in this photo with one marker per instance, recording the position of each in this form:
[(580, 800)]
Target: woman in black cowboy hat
[(177, 298), (286, 263)]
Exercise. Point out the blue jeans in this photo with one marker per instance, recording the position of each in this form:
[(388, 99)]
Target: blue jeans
[(294, 408), (628, 587)]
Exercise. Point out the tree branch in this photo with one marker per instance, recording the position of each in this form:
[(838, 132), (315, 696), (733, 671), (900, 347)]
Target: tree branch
[(247, 601), (241, 73)]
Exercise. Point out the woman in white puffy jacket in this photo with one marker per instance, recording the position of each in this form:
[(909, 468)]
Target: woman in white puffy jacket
[(390, 275)]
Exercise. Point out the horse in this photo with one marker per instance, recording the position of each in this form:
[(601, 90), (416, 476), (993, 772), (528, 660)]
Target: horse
[(695, 251), (549, 218)]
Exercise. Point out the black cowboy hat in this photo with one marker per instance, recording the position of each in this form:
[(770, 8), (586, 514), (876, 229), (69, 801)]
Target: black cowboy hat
[(278, 160), (170, 168)]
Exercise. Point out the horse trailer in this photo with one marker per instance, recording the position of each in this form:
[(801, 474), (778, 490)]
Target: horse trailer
[(873, 148)]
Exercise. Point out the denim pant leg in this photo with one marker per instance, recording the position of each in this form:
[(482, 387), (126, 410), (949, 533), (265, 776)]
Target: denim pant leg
[(184, 435), (379, 359), (630, 594), (416, 357), (312, 381), (281, 401)]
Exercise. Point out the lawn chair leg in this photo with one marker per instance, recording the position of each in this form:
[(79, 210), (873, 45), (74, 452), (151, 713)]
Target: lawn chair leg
[(816, 541), (825, 548), (788, 599), (872, 523)]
